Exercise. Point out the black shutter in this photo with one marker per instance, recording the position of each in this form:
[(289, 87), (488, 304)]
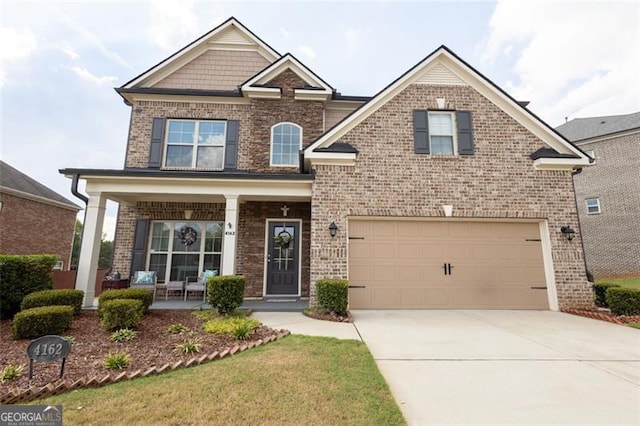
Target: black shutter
[(420, 131), (465, 133), (231, 146), (155, 148), (139, 253)]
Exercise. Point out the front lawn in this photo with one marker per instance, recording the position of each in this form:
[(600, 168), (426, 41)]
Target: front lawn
[(633, 282), (296, 380)]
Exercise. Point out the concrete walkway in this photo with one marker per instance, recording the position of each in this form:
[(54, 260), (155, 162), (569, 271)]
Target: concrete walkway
[(506, 367), (300, 324)]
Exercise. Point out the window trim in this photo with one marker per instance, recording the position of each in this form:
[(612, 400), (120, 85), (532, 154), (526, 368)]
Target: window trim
[(454, 132), (597, 200), (170, 251), (271, 164), (194, 157)]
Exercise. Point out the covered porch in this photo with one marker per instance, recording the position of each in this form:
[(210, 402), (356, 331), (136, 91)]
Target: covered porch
[(256, 225)]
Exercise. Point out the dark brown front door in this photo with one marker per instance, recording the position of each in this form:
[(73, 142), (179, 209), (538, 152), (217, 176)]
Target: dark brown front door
[(283, 258)]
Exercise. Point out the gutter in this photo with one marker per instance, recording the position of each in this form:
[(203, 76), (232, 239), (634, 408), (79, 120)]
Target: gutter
[(85, 199), (576, 172)]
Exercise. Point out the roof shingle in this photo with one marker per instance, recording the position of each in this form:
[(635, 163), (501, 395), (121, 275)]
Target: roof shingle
[(586, 128), (12, 178)]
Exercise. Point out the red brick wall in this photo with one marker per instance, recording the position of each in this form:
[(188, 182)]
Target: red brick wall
[(31, 227)]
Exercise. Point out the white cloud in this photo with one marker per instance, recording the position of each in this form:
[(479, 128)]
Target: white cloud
[(17, 45), (284, 32), (306, 51), (69, 51), (86, 75), (173, 23), (569, 59)]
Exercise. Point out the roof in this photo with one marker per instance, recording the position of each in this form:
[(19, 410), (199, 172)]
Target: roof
[(15, 180), (592, 127), (338, 147), (549, 153)]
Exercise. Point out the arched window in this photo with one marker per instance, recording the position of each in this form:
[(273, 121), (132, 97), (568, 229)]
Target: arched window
[(286, 142)]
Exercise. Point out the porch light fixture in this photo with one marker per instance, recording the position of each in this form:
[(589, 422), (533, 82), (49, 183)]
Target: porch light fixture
[(568, 232), (187, 214), (333, 228)]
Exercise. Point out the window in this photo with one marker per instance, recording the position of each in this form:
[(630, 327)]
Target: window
[(441, 134), (181, 249), (195, 144), (593, 205), (286, 142)]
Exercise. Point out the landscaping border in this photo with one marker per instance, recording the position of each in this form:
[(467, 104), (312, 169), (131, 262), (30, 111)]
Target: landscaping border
[(18, 396), (603, 316)]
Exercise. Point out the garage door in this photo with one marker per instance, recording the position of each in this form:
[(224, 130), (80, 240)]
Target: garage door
[(407, 264)]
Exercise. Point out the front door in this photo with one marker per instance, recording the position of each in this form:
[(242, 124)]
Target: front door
[(283, 251)]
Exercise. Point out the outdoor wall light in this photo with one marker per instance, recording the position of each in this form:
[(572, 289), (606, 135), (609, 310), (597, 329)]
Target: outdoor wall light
[(333, 228), (568, 232)]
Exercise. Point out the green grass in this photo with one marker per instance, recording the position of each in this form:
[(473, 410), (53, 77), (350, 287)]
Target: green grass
[(298, 380), (634, 325), (633, 282)]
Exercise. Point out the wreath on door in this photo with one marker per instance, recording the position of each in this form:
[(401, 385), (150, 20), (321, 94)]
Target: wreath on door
[(283, 239), (188, 235)]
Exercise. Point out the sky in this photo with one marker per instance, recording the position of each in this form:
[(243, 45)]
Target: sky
[(59, 61)]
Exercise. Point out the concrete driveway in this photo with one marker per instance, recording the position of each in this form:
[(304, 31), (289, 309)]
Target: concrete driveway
[(506, 367)]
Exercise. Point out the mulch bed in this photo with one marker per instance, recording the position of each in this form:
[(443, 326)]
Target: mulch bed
[(323, 315), (604, 316), (152, 347)]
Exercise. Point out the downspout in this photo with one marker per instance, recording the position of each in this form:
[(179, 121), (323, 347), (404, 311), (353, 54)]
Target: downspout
[(74, 191), (575, 198)]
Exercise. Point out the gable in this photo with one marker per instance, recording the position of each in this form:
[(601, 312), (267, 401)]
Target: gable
[(230, 36), (443, 67)]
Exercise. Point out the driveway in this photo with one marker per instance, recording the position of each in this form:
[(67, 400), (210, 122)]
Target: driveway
[(506, 367)]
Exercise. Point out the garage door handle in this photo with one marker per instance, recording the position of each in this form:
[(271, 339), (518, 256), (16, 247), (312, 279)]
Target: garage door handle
[(447, 268), (538, 288), (357, 286)]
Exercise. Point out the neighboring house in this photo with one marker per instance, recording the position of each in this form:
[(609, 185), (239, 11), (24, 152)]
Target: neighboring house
[(608, 193), (33, 218), (441, 191)]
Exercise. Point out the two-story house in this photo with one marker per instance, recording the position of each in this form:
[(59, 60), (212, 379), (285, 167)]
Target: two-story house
[(441, 191), (608, 193)]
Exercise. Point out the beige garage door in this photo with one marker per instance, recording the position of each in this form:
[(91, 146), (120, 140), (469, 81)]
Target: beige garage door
[(407, 264)]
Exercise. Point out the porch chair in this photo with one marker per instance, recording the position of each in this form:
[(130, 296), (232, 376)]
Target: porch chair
[(147, 280), (200, 283)]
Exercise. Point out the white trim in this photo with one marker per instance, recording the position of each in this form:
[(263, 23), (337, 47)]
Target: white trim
[(297, 162), (266, 253), (230, 240), (262, 92), (454, 133), (311, 95), (199, 47), (194, 145), (561, 163), (549, 270), (477, 82), (37, 198), (158, 97), (287, 62), (586, 202)]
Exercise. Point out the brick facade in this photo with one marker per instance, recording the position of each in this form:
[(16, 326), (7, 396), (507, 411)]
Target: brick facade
[(32, 227), (499, 181), (611, 238)]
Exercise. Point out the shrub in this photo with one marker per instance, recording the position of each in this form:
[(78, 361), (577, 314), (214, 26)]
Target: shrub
[(11, 372), (178, 329), (120, 313), (225, 293), (623, 301), (141, 294), (22, 275), (231, 325), (36, 322), (71, 298), (333, 295), (600, 291), (189, 347), (123, 335), (116, 361)]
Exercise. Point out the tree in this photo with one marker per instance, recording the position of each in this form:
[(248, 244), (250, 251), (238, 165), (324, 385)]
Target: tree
[(106, 247)]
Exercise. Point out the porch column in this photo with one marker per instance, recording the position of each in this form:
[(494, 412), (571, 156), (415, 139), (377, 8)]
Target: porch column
[(90, 249), (230, 234)]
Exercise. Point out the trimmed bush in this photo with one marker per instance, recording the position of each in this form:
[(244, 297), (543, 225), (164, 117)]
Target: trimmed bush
[(623, 301), (141, 294), (225, 293), (333, 295), (120, 313), (71, 298), (36, 322), (22, 275), (600, 292)]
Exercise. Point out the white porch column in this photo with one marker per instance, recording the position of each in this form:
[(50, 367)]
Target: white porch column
[(230, 235), (90, 249)]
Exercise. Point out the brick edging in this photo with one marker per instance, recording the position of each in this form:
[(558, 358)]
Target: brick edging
[(17, 396), (603, 316)]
